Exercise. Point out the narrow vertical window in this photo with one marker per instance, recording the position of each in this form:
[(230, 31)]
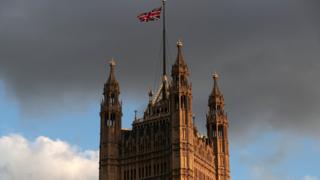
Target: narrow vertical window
[(177, 101), (220, 131), (112, 98)]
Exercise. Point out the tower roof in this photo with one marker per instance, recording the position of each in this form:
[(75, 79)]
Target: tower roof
[(180, 59), (216, 99), (180, 65), (112, 84), (215, 89), (112, 77)]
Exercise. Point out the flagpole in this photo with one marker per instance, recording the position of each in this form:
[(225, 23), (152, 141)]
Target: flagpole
[(164, 36), (164, 49)]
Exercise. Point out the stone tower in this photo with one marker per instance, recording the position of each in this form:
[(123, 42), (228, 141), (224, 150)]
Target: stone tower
[(217, 131), (110, 128), (181, 115), (164, 143)]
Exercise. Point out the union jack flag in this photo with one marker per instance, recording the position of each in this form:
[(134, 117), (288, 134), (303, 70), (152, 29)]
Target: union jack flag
[(150, 16)]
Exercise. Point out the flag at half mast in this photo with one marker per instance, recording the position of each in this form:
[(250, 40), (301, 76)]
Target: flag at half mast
[(150, 16), (153, 16)]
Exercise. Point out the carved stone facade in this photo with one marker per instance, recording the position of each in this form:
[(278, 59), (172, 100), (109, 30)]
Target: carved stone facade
[(164, 143)]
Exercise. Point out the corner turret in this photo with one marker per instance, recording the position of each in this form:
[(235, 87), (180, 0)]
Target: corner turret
[(180, 70), (110, 127), (217, 131), (182, 121)]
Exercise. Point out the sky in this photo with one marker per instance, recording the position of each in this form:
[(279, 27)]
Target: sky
[(53, 64)]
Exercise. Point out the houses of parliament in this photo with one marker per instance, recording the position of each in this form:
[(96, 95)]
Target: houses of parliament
[(164, 143)]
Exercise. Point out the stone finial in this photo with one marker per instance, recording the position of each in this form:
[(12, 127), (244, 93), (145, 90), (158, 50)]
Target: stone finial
[(179, 43), (215, 75), (112, 62)]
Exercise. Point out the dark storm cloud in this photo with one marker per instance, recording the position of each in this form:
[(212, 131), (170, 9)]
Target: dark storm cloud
[(53, 56)]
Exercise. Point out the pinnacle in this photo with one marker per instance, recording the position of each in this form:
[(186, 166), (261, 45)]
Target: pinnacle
[(215, 90), (180, 59), (215, 75), (112, 62), (179, 43)]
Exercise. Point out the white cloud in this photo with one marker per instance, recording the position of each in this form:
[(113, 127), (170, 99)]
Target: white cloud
[(46, 159), (310, 178)]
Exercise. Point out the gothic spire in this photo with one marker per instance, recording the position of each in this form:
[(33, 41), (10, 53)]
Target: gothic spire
[(216, 100), (215, 90), (180, 67), (112, 84), (112, 77), (180, 59)]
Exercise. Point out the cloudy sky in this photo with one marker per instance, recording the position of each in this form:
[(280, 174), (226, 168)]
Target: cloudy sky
[(53, 63)]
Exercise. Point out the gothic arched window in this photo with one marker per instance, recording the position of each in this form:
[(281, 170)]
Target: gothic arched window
[(112, 98), (112, 119)]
